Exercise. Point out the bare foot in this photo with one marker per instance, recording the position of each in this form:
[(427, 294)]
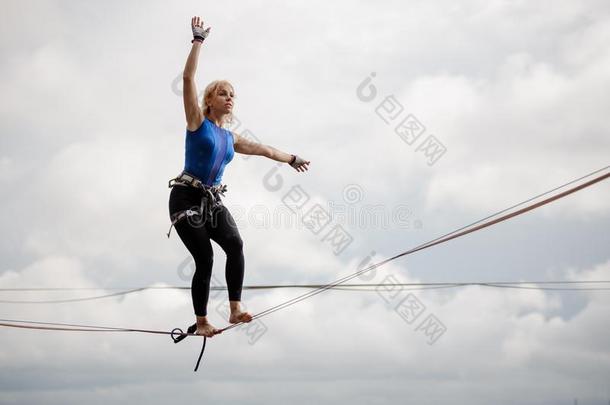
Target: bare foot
[(207, 330), (239, 316)]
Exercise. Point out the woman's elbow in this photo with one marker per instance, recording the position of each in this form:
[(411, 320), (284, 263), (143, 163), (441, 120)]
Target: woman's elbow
[(266, 151)]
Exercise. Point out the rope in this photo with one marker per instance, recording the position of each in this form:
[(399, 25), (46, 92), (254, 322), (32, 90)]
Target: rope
[(177, 334), (81, 327), (445, 238), (342, 287)]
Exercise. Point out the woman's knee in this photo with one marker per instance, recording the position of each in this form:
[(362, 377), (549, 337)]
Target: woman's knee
[(204, 261), (233, 243)]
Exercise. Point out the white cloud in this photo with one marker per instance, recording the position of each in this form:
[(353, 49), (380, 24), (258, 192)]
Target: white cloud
[(506, 331), (92, 131)]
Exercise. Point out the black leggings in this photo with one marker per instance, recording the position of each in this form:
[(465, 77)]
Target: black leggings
[(196, 235)]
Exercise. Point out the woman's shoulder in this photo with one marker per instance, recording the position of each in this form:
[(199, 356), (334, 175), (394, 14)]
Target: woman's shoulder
[(233, 136), (194, 127)]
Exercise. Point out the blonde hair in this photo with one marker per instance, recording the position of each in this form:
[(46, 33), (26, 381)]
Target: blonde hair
[(210, 90)]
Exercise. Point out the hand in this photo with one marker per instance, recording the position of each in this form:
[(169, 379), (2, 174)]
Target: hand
[(199, 34), (299, 164)]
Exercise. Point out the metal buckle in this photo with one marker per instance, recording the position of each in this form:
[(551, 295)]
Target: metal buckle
[(184, 178)]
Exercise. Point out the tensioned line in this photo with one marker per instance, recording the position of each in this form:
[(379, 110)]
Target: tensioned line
[(530, 285), (483, 223), (442, 239)]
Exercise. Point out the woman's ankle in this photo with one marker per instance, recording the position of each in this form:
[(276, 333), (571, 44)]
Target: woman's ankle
[(235, 306), (202, 320)]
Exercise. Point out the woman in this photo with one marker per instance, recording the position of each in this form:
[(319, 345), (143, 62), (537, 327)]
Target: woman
[(195, 207)]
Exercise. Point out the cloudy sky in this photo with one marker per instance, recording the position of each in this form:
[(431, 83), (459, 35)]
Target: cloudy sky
[(510, 98)]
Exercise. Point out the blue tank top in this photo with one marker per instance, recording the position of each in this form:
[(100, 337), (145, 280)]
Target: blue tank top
[(207, 151)]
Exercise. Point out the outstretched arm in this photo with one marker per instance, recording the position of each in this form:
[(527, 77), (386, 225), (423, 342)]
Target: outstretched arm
[(243, 145), (192, 110)]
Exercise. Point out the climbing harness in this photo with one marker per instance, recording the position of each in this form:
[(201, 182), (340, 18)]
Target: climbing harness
[(210, 200)]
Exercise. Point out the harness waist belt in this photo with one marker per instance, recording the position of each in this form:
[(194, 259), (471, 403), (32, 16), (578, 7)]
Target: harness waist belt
[(209, 201)]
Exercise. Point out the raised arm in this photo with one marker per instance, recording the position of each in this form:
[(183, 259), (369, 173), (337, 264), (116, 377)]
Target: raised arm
[(193, 112)]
